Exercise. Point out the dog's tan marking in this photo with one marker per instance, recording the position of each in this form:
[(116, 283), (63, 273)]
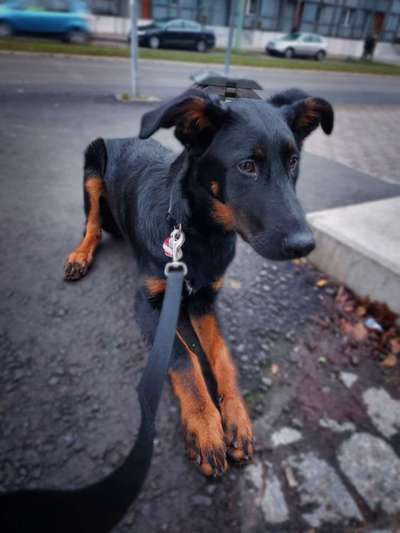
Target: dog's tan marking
[(79, 261), (214, 187), (201, 420), (311, 115), (217, 284), (223, 214), (194, 114), (236, 421), (155, 286)]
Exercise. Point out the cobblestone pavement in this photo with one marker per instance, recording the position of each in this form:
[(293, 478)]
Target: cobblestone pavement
[(365, 138)]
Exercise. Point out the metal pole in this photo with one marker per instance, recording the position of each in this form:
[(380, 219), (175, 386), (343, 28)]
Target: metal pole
[(134, 49), (228, 51), (240, 18)]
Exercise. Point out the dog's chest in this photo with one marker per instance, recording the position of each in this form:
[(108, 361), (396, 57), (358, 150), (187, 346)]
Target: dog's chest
[(207, 261)]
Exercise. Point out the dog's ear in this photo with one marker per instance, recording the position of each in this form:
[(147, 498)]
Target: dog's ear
[(305, 115), (196, 116)]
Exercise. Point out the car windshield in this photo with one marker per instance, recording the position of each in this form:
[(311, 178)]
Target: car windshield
[(291, 37)]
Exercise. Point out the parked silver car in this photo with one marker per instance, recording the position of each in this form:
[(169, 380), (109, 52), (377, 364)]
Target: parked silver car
[(300, 45)]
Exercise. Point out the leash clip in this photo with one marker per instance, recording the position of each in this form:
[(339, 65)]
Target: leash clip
[(176, 241)]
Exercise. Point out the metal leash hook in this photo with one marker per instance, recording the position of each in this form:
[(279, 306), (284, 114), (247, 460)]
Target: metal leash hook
[(176, 241)]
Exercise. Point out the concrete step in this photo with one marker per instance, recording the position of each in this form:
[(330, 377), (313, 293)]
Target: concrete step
[(359, 246)]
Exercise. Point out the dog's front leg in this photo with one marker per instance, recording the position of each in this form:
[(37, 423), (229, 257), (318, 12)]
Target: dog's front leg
[(236, 421), (202, 424), (201, 420)]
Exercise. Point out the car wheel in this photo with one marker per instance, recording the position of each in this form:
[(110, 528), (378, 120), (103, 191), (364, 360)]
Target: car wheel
[(289, 53), (319, 56), (77, 37), (201, 46), (5, 29), (154, 42)]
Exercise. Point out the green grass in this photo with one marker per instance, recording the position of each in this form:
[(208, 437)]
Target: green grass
[(250, 59)]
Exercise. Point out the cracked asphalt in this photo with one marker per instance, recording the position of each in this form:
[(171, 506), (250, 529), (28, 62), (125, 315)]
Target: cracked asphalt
[(71, 353)]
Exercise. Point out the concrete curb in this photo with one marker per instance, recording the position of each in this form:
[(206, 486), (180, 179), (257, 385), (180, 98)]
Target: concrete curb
[(359, 246)]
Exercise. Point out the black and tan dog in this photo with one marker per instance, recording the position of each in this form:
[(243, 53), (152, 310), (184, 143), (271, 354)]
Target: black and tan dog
[(236, 174)]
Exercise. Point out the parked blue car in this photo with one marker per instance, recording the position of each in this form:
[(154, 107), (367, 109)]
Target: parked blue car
[(69, 19)]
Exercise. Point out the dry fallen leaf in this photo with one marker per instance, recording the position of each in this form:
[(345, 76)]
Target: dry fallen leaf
[(361, 311), (390, 361), (356, 331), (300, 261), (275, 369), (321, 283)]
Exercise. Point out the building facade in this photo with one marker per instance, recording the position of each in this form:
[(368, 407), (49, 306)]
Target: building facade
[(351, 19)]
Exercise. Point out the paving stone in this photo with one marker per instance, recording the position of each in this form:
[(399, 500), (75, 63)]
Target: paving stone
[(285, 436), (383, 410), (322, 491), (335, 426), (348, 378), (374, 469), (269, 496)]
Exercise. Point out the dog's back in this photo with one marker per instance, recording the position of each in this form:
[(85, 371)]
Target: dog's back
[(130, 168)]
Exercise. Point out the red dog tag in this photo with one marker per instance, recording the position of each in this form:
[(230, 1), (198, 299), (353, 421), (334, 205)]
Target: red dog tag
[(167, 247)]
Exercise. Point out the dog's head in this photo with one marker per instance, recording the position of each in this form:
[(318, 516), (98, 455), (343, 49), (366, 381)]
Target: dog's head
[(246, 154)]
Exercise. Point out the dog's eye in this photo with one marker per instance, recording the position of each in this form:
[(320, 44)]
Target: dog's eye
[(248, 167), (293, 162)]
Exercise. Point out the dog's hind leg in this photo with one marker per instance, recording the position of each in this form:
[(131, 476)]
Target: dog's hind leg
[(79, 261)]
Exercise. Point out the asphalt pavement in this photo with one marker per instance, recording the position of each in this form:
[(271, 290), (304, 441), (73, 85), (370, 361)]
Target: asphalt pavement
[(71, 353), (164, 79)]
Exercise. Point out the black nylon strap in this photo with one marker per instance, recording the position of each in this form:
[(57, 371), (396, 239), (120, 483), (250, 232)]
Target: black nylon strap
[(97, 508)]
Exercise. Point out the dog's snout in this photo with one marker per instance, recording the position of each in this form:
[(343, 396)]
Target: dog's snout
[(299, 244)]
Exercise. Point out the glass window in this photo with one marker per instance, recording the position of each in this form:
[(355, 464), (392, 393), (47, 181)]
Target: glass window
[(251, 7), (291, 37), (174, 25), (58, 6), (191, 26)]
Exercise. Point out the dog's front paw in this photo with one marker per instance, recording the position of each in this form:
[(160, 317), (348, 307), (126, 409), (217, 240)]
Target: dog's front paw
[(238, 430), (76, 266), (205, 443)]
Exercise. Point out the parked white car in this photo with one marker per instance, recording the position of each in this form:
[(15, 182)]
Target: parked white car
[(299, 45)]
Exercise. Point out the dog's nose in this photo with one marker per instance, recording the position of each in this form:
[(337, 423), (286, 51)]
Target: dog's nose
[(299, 244)]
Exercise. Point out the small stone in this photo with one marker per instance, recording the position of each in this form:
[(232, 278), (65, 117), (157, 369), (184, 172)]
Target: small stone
[(374, 469), (333, 425), (383, 410), (285, 436), (348, 378), (297, 423), (266, 381), (53, 381)]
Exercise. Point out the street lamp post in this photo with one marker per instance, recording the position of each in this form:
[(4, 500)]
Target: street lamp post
[(134, 49), (228, 51)]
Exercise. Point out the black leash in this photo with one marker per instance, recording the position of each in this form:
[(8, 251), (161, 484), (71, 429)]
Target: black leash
[(97, 508)]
